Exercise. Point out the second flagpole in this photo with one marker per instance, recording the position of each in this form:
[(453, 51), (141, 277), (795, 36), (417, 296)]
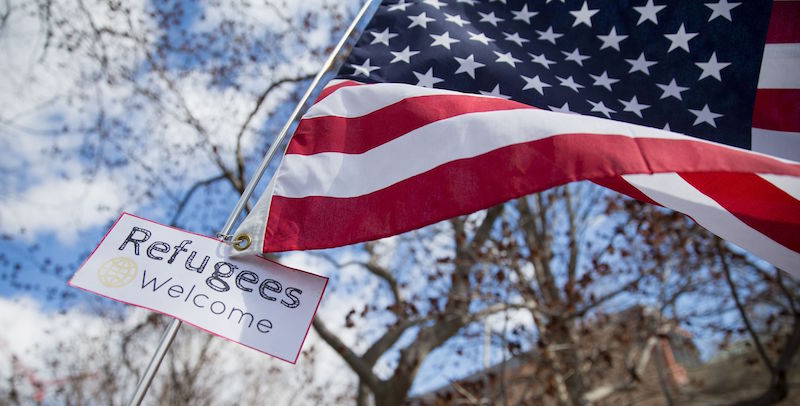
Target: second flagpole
[(366, 11)]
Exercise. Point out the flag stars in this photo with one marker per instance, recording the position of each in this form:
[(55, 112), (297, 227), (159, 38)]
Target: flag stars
[(382, 37), (575, 56), (427, 79), (634, 106), (584, 15), (712, 68), (490, 18), (549, 35), (680, 39), (455, 19), (601, 108), (721, 9), (524, 14), (421, 20), (515, 38), (434, 3), (470, 2), (603, 80), (648, 12), (443, 40), (482, 38), (672, 90), (364, 69), (507, 58), (534, 83), (401, 5), (640, 64), (403, 56), (570, 83), (495, 93), (705, 116), (468, 65), (611, 40), (541, 60), (563, 109)]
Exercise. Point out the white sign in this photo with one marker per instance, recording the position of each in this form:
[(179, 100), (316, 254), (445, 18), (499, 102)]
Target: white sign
[(252, 301)]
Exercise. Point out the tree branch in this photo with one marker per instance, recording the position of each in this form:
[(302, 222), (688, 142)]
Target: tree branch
[(742, 312), (356, 363)]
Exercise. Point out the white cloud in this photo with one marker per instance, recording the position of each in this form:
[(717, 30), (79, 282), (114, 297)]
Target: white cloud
[(63, 207)]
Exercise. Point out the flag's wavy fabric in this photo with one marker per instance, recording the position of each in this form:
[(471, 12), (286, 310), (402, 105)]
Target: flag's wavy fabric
[(370, 160)]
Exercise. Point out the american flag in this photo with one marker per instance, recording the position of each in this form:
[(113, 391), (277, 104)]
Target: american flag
[(447, 107)]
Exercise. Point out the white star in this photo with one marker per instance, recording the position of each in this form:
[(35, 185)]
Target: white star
[(443, 40), (456, 19), (507, 58), (495, 92), (468, 65), (648, 12), (382, 37), (666, 127), (401, 5), (534, 83), (712, 67), (515, 38), (562, 109), (490, 18), (524, 14), (364, 69), (542, 60), (680, 39), (584, 15), (427, 79), (570, 83), (705, 116), (434, 3), (549, 35), (497, 1), (634, 106), (722, 9), (421, 20), (640, 64), (672, 89), (612, 39), (575, 56), (601, 108), (404, 55), (482, 38), (603, 80), (470, 2)]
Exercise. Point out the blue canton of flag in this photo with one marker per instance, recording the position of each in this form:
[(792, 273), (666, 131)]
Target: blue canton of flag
[(686, 66)]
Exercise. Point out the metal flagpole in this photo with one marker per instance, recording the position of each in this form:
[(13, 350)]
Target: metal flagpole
[(172, 330)]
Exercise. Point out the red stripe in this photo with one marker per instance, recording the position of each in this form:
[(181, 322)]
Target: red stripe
[(388, 123), (784, 23), (466, 185), (755, 201), (330, 89), (620, 185), (777, 109)]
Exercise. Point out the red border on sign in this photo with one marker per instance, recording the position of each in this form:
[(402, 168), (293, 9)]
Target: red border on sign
[(189, 323)]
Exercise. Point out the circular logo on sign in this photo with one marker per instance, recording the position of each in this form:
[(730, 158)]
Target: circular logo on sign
[(117, 272)]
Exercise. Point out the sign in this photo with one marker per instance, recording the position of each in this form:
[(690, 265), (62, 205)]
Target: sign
[(250, 300)]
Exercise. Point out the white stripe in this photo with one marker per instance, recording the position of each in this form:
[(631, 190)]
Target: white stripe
[(334, 82), (783, 144), (780, 67), (789, 184), (356, 101), (332, 173), (674, 192)]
